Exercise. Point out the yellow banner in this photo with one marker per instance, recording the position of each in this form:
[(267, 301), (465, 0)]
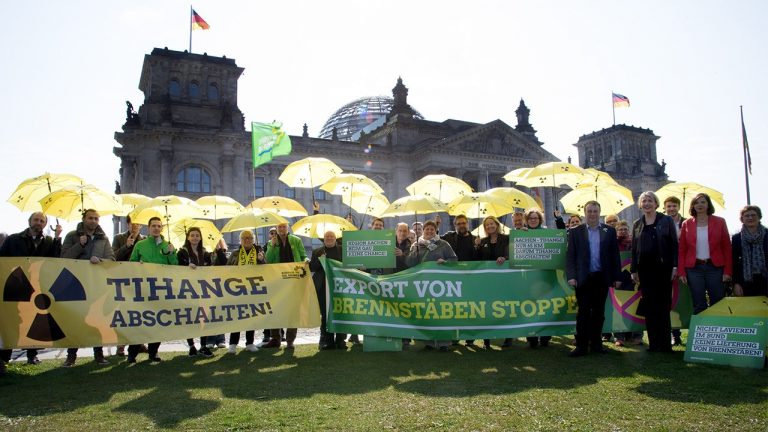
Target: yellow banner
[(51, 302)]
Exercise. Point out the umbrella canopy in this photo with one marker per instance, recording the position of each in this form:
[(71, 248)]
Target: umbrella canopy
[(373, 205), (219, 207), (612, 198), (282, 206), (479, 205), (316, 226), (685, 191), (211, 234), (129, 201), (346, 184), (443, 187), (169, 208), (28, 193), (480, 230), (252, 219), (413, 205), (595, 176), (70, 202), (309, 172), (515, 197), (552, 174), (515, 176)]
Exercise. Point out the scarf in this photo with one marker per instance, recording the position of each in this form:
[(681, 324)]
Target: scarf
[(246, 258), (753, 255)]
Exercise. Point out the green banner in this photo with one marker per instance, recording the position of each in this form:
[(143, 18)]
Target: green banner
[(463, 300), (368, 249), (732, 332), (537, 249)]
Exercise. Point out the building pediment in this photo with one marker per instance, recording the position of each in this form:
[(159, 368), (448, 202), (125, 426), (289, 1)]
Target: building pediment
[(494, 139)]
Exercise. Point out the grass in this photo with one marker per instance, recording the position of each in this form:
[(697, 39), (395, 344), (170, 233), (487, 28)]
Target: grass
[(514, 389)]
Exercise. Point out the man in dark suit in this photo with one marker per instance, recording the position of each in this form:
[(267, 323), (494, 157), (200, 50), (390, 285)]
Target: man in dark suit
[(592, 266)]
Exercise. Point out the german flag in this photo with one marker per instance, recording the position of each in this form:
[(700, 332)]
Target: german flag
[(198, 23), (620, 101)]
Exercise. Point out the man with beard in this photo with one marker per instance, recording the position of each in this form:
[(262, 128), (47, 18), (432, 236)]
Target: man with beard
[(463, 244), (87, 242), (122, 246), (30, 243)]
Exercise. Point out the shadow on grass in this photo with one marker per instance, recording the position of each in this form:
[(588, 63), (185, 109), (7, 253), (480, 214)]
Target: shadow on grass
[(182, 388)]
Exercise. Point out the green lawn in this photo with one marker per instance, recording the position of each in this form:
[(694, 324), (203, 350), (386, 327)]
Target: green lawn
[(514, 389)]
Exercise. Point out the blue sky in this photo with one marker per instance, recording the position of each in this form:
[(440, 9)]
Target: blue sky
[(686, 67)]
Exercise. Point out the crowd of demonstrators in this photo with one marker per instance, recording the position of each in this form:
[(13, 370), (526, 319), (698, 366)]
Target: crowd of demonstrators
[(705, 256), (658, 241), (87, 242), (154, 249), (194, 255)]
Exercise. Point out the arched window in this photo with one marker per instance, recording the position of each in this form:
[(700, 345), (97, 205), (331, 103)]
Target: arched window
[(194, 90), (193, 179), (213, 92), (174, 88)]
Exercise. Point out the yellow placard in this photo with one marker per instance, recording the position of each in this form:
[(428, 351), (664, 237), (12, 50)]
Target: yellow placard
[(51, 302)]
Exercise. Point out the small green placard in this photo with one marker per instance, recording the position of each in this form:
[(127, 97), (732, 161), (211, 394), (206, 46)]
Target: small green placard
[(369, 249), (537, 249), (727, 340)]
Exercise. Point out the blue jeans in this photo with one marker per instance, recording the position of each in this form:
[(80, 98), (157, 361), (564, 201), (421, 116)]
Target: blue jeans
[(705, 279)]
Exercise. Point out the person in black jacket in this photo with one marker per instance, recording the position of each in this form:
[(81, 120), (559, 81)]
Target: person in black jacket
[(750, 247), (593, 264), (402, 245), (31, 243), (462, 241), (332, 250), (122, 246), (194, 255), (654, 267)]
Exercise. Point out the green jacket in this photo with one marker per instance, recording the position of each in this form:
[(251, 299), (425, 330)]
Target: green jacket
[(149, 252), (297, 247)]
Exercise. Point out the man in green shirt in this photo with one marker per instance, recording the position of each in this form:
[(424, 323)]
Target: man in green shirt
[(155, 250)]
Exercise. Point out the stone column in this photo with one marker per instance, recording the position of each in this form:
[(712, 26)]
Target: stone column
[(166, 157)]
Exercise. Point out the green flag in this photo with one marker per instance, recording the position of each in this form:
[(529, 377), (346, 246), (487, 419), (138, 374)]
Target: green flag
[(268, 141)]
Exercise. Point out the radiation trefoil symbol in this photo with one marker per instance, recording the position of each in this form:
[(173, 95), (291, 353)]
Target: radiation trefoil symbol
[(44, 327)]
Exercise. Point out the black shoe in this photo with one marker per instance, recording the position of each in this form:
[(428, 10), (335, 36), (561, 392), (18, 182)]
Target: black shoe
[(192, 351), (205, 352), (578, 352), (443, 349), (428, 348), (33, 361), (534, 343), (131, 359), (677, 341), (545, 343), (155, 359), (507, 343)]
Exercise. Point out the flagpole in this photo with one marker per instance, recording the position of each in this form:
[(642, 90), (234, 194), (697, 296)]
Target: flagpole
[(190, 29), (613, 105), (746, 156)]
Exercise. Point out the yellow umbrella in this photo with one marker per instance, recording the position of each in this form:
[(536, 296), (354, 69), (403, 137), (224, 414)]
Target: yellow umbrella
[(211, 234), (685, 191), (373, 205), (169, 208), (593, 175), (70, 202), (612, 198), (479, 205), (28, 193), (516, 175), (443, 187), (515, 197), (130, 201), (480, 230), (219, 207), (413, 205), (252, 219), (345, 184), (282, 206), (316, 226), (552, 174), (309, 172)]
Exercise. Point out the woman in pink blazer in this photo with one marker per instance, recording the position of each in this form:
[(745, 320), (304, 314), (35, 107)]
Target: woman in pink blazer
[(705, 262)]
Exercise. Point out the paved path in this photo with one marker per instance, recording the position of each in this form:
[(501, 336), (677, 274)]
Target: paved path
[(305, 336)]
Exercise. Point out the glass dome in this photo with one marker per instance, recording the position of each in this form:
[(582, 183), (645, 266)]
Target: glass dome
[(364, 114)]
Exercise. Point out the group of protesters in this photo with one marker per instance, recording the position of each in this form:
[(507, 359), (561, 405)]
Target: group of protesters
[(698, 250)]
